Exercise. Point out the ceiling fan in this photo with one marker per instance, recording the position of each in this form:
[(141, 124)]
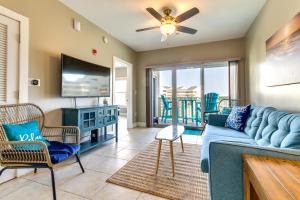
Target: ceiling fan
[(169, 24)]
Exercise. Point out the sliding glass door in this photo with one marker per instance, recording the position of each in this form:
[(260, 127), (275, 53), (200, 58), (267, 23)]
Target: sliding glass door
[(186, 94), (162, 92)]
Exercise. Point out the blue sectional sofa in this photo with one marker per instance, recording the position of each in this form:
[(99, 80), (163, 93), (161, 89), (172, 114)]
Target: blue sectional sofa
[(268, 132)]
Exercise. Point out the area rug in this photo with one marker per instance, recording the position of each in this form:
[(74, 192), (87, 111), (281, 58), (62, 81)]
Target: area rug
[(189, 182)]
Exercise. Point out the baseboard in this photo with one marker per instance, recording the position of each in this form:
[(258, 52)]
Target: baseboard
[(135, 124), (141, 124)]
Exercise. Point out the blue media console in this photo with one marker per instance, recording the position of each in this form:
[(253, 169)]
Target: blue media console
[(91, 119)]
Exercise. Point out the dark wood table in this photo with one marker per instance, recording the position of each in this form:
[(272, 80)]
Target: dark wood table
[(271, 178)]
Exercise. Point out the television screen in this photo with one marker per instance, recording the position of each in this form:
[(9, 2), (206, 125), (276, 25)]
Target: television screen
[(84, 79)]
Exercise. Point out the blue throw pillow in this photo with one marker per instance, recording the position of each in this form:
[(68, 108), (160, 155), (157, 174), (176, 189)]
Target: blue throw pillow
[(25, 132), (238, 117)]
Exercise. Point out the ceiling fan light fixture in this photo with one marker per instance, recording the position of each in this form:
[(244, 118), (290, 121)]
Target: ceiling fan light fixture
[(168, 28)]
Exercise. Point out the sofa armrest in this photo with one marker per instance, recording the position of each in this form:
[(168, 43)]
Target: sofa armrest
[(226, 166), (217, 119)]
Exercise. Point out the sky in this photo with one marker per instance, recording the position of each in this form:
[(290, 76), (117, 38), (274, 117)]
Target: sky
[(215, 79)]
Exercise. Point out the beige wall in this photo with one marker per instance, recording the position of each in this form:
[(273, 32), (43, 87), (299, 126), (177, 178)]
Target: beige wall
[(186, 54), (51, 34), (275, 14)]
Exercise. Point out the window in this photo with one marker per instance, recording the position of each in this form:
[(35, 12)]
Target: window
[(121, 92)]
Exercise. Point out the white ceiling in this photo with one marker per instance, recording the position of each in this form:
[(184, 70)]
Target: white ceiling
[(218, 19)]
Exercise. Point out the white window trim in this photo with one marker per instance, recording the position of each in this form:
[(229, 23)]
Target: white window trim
[(126, 95), (23, 51)]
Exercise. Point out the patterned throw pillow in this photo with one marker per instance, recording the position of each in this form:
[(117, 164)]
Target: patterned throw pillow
[(238, 117), (25, 132)]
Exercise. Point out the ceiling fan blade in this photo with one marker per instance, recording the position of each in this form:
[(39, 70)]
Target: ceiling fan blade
[(146, 29), (154, 13), (188, 14), (185, 29)]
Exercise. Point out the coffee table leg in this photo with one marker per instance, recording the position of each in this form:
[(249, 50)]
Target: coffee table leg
[(158, 155), (172, 157), (181, 143)]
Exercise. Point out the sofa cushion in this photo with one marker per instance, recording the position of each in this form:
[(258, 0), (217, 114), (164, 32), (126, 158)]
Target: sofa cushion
[(255, 119), (208, 138), (238, 117), (222, 131), (269, 126), (292, 139), (61, 151), (264, 123), (279, 129)]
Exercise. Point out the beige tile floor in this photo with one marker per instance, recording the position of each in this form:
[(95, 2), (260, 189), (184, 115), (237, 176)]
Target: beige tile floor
[(99, 164)]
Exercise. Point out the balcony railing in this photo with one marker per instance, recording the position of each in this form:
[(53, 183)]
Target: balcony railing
[(187, 108)]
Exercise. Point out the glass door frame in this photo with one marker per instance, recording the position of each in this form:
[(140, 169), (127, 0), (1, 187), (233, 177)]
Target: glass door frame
[(149, 90)]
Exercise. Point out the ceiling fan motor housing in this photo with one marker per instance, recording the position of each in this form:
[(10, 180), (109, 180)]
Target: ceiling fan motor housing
[(167, 11)]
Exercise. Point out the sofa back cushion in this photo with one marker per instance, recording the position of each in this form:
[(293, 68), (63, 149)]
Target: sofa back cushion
[(255, 118), (292, 139), (279, 129)]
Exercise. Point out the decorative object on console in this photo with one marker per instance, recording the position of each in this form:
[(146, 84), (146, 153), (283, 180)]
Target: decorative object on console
[(283, 55), (238, 117), (105, 102)]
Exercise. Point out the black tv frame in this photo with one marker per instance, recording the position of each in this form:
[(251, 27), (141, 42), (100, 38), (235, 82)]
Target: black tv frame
[(97, 96)]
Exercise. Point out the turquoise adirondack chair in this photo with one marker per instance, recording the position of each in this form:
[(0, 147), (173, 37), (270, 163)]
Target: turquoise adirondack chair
[(210, 106), (167, 109), (225, 105)]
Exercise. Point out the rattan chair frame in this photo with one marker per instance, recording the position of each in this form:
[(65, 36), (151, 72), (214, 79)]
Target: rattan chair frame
[(15, 154)]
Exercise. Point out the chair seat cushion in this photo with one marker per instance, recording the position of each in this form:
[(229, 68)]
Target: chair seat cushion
[(61, 151)]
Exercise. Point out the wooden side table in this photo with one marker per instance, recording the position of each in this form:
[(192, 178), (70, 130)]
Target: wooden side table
[(271, 178)]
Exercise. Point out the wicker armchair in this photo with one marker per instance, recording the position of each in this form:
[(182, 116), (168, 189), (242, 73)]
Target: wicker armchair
[(16, 154)]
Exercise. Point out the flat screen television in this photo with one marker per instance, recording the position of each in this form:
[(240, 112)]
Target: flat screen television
[(83, 79)]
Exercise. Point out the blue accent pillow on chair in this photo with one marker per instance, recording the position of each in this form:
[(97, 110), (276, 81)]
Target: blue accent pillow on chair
[(25, 132), (238, 117)]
